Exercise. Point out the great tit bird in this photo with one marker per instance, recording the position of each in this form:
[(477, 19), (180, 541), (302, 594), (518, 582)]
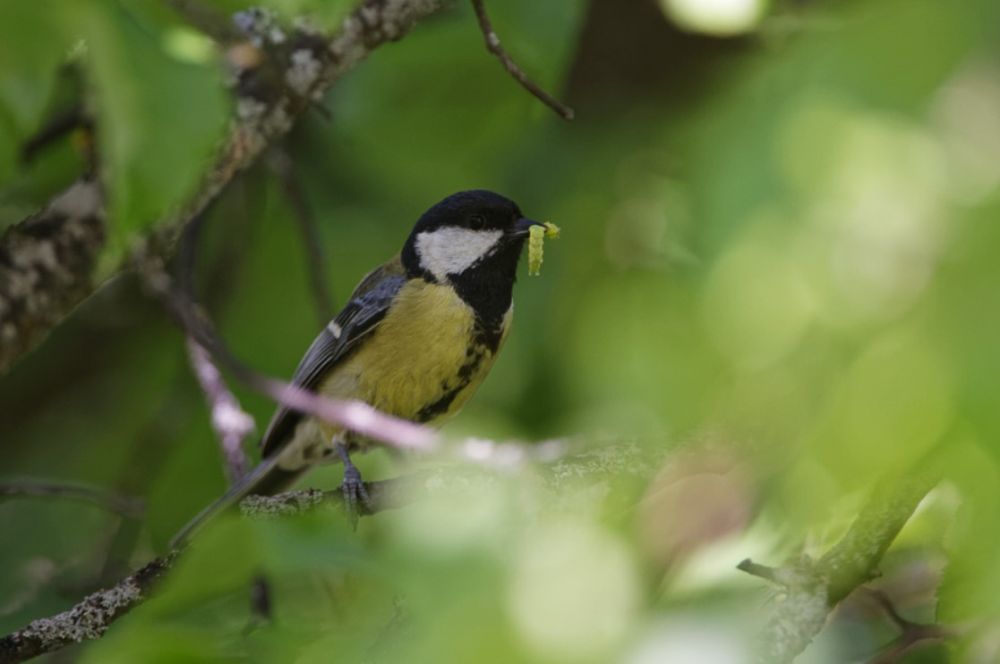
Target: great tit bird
[(415, 340)]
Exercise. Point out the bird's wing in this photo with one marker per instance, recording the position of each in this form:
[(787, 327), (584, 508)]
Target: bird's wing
[(363, 312)]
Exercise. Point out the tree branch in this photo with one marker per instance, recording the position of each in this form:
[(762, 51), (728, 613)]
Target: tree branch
[(354, 415), (122, 505), (65, 122), (912, 635), (47, 261), (90, 618), (809, 589), (493, 46), (231, 423)]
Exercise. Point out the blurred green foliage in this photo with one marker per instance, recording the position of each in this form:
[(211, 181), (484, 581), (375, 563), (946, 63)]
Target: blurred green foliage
[(779, 272)]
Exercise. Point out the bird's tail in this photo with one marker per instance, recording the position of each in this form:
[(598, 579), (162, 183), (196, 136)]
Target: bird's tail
[(266, 479)]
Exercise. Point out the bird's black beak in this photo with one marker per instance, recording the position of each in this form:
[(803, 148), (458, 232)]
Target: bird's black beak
[(523, 226)]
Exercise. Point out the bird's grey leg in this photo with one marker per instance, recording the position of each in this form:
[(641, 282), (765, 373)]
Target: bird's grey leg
[(353, 486)]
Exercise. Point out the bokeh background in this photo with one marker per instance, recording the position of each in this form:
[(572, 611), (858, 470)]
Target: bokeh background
[(778, 276)]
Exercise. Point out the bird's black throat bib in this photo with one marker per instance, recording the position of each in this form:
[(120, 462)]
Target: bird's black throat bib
[(488, 287)]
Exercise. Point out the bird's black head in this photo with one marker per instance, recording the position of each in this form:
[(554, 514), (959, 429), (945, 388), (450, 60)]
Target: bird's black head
[(472, 240), (466, 231)]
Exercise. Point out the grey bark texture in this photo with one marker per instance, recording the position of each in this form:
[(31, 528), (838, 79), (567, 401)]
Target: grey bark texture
[(90, 618), (47, 261)]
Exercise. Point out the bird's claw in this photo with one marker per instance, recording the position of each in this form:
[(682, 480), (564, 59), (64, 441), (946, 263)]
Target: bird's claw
[(356, 498)]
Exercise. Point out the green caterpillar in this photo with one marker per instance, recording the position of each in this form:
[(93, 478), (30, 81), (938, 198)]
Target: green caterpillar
[(536, 237)]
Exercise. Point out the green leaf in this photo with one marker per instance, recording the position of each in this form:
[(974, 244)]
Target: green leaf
[(324, 14), (159, 118), (32, 44)]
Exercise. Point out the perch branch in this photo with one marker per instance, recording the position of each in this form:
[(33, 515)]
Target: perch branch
[(809, 589), (47, 261), (493, 46), (91, 617)]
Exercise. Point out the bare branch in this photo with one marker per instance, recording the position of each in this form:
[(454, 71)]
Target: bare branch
[(354, 415), (88, 620), (122, 505), (231, 423), (912, 634), (889, 608), (384, 494), (762, 571), (45, 267), (47, 261), (811, 588), (494, 47), (283, 166), (56, 128), (556, 471), (91, 617)]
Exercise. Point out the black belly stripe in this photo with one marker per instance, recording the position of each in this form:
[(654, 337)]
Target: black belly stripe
[(440, 406), (490, 335)]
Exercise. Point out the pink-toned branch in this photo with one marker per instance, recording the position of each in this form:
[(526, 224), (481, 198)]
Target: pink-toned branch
[(231, 423)]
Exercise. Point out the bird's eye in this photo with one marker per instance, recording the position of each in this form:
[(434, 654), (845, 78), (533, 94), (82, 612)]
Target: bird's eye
[(477, 222)]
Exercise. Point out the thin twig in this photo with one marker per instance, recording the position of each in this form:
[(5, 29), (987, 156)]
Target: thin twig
[(353, 415), (37, 292), (126, 506), (231, 423), (53, 130), (494, 47), (912, 634), (811, 588), (889, 608), (284, 168), (756, 569)]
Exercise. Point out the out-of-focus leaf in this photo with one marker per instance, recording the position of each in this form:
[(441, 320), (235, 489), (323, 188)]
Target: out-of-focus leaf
[(32, 44), (156, 645), (323, 14), (159, 118)]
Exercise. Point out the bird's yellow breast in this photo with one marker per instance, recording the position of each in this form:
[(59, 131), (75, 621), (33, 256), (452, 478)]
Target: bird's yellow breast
[(423, 361)]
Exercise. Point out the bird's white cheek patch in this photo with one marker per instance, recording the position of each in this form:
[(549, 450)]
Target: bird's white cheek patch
[(451, 250)]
